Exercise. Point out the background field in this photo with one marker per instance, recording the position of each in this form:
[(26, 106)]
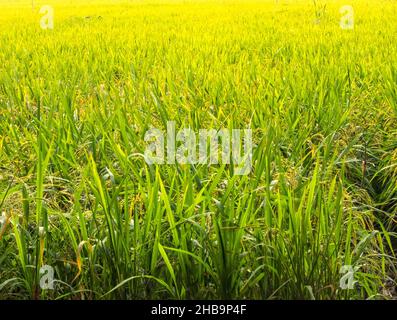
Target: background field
[(76, 194)]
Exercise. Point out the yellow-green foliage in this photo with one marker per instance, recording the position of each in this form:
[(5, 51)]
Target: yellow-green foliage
[(75, 193)]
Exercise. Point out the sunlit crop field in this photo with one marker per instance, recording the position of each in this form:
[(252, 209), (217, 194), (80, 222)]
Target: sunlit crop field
[(84, 216)]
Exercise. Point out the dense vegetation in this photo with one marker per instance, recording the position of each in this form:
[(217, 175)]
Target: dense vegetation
[(77, 195)]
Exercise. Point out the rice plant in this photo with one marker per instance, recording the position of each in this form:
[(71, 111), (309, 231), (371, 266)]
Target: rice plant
[(77, 194)]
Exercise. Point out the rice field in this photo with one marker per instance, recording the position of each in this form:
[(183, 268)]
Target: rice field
[(85, 216)]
